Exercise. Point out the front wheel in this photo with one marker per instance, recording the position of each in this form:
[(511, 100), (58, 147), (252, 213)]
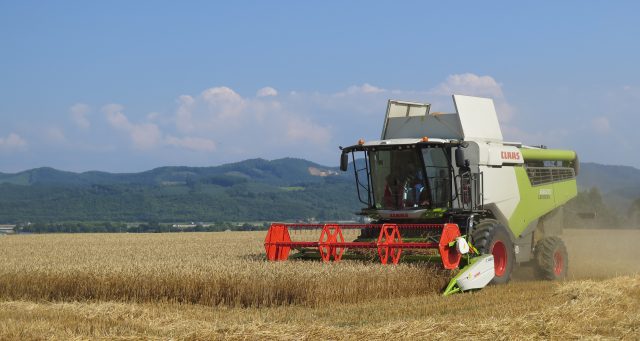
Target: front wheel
[(491, 237), (552, 261)]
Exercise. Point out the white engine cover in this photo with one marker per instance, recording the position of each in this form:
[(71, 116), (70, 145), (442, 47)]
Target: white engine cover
[(478, 274)]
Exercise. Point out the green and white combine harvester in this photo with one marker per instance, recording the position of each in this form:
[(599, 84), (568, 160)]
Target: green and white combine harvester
[(449, 182)]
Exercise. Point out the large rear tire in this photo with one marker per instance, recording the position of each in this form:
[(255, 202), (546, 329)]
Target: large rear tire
[(491, 237), (552, 261)]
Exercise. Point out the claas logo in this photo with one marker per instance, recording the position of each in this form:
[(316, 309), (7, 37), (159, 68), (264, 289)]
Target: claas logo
[(510, 155)]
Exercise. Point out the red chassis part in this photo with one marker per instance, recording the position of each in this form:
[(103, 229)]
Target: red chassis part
[(331, 244)]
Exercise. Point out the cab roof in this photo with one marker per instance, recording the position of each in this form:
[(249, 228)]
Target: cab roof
[(475, 119)]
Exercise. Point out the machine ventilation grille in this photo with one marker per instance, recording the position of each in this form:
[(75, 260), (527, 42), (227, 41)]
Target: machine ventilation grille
[(545, 175)]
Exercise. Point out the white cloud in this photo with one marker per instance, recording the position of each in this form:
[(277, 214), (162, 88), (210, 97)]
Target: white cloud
[(115, 116), (148, 135), (217, 106), (12, 142), (365, 88), (266, 92), (221, 94), (239, 122), (55, 134), (183, 115), (633, 91), (469, 84), (305, 130), (145, 136), (79, 113), (270, 124), (152, 116), (473, 85), (301, 122), (224, 101), (601, 125), (219, 124), (142, 135), (192, 143), (358, 111)]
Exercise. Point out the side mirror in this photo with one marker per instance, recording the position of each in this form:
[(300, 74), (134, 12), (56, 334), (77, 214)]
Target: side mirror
[(460, 157), (344, 162)]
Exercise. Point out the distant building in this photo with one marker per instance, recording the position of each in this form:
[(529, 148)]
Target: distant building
[(183, 226), (7, 229)]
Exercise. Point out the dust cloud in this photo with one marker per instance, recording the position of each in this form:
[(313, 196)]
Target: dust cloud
[(595, 253)]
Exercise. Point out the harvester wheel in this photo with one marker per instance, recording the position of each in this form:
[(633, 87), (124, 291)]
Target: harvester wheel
[(551, 258), (491, 237)]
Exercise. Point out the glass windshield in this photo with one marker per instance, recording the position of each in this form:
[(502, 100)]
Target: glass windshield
[(401, 180), (398, 179), (436, 164)]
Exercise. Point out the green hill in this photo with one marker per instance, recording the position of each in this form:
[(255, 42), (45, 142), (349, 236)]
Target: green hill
[(276, 172), (256, 189), (619, 185)]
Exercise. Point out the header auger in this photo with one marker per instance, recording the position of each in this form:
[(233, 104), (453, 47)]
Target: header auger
[(449, 183)]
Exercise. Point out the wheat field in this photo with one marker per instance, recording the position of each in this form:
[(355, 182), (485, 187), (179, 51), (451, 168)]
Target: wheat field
[(217, 285), (197, 268)]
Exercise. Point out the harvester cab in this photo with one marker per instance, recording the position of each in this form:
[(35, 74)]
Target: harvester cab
[(449, 182)]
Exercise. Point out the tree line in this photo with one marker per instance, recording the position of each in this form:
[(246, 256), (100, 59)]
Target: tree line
[(119, 227)]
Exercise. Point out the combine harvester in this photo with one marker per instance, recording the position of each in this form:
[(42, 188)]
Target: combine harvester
[(448, 182)]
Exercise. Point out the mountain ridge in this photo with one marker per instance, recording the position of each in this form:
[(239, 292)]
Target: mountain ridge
[(253, 189), (256, 167), (606, 177)]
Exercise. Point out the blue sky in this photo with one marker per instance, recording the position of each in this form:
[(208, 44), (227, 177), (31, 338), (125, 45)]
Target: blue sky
[(132, 85)]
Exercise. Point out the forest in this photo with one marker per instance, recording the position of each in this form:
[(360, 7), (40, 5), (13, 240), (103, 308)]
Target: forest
[(256, 191)]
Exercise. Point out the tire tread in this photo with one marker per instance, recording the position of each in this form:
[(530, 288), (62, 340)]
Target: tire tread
[(544, 256), (482, 237)]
